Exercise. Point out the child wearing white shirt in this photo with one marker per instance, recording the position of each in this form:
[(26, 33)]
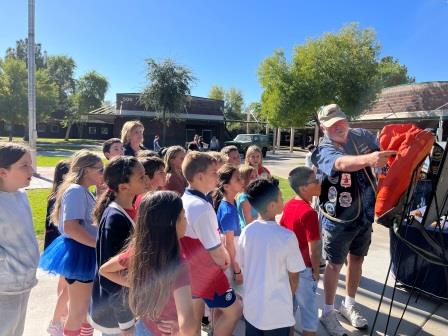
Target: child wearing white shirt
[(270, 260)]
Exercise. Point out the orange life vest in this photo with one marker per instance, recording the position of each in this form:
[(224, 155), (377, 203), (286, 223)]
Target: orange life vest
[(412, 145)]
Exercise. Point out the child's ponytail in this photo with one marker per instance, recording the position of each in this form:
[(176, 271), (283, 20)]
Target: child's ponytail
[(107, 198), (118, 171), (225, 174)]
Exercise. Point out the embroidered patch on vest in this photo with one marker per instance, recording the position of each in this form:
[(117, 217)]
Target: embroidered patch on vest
[(333, 180), (345, 199), (330, 208), (346, 180), (332, 194)]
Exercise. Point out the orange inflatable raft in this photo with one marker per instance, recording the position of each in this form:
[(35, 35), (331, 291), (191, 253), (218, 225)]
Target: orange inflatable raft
[(412, 145)]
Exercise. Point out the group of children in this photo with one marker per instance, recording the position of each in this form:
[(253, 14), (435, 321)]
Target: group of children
[(162, 239)]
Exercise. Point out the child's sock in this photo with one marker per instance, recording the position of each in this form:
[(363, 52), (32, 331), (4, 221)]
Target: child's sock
[(349, 301), (328, 309), (68, 332), (86, 329)]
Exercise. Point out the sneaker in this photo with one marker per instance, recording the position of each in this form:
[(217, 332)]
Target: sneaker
[(322, 267), (55, 329), (206, 329), (353, 315), (331, 323)]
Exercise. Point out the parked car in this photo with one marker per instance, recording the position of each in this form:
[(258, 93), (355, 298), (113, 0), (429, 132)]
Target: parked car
[(243, 141)]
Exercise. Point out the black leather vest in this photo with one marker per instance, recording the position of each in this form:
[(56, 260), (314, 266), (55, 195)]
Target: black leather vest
[(339, 199)]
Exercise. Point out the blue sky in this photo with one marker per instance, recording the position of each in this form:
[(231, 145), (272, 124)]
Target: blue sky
[(222, 42)]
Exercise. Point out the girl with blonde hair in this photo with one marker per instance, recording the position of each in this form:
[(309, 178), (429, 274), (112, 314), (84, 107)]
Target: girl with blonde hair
[(254, 158), (175, 180), (72, 255), (132, 137)]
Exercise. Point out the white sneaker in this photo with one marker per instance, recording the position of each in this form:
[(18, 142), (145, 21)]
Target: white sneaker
[(353, 315), (55, 329), (331, 323)]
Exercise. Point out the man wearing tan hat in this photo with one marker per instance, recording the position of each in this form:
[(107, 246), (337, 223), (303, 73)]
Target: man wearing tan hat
[(345, 158)]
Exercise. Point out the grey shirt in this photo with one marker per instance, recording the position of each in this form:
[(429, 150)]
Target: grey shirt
[(19, 253)]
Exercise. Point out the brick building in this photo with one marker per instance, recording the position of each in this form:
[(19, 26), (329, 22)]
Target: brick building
[(201, 116)]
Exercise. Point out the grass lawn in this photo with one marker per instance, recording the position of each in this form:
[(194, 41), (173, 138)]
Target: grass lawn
[(38, 203), (49, 161), (287, 192)]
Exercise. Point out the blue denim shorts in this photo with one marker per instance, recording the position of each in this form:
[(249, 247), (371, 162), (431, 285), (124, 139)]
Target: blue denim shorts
[(306, 300), (339, 239)]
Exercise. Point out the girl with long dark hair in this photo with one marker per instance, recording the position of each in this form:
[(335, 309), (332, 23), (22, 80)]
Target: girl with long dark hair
[(157, 276)]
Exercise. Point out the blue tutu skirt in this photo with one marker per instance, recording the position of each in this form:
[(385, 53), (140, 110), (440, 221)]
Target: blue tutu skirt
[(70, 259)]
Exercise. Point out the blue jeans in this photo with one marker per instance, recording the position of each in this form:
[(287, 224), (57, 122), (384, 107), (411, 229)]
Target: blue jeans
[(306, 297)]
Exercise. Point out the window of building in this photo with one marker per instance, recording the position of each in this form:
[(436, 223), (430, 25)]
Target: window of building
[(92, 130), (54, 129), (104, 130), (41, 128)]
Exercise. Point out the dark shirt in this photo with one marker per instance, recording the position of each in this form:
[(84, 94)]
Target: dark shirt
[(109, 307), (327, 152), (128, 151), (51, 230)]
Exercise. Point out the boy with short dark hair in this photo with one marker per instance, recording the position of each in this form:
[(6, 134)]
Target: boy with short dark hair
[(207, 258), (301, 218), (270, 261), (112, 148), (154, 176)]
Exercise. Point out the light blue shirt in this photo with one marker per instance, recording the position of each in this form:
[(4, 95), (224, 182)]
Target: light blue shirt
[(78, 204)]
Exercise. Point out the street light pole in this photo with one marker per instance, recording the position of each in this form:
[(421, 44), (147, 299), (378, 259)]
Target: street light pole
[(32, 132)]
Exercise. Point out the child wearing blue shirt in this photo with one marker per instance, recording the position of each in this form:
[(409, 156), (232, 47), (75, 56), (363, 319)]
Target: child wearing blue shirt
[(229, 185), (246, 213)]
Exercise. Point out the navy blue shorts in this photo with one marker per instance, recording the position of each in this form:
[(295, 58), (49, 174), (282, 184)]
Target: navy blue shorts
[(221, 301)]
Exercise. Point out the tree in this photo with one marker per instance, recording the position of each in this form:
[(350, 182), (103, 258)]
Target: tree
[(233, 101), (167, 91), (335, 68), (13, 93), (274, 75), (391, 72), (20, 52), (216, 92), (233, 104), (89, 95), (61, 69)]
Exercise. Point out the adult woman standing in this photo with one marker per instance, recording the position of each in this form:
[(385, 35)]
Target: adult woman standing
[(132, 137)]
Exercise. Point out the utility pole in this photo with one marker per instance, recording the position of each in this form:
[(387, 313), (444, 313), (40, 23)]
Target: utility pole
[(32, 132)]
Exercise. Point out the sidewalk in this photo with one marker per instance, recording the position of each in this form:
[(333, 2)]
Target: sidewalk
[(423, 317), (42, 179)]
